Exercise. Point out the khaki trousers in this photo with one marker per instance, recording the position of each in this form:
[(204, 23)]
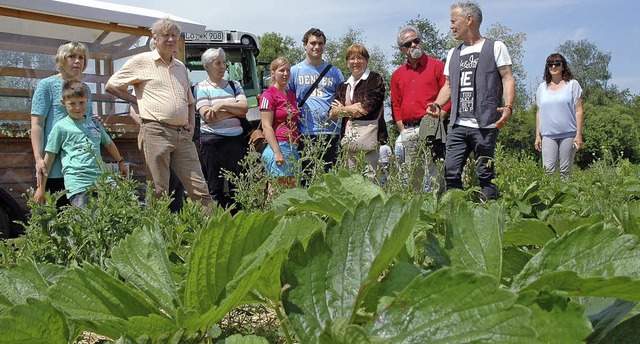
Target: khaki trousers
[(164, 146)]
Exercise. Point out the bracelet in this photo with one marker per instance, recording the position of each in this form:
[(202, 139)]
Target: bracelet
[(438, 106), (120, 161), (509, 106)]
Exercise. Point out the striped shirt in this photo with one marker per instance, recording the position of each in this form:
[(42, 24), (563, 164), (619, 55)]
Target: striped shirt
[(163, 90), (208, 95)]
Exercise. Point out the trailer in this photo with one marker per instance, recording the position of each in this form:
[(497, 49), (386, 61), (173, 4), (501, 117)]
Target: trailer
[(30, 34)]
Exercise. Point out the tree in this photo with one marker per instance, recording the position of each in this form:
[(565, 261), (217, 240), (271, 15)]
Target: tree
[(518, 136), (433, 42), (588, 64), (514, 42), (336, 51), (610, 136), (274, 45)]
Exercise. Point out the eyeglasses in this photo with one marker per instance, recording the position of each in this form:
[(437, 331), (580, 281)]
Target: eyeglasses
[(408, 44), (554, 64)]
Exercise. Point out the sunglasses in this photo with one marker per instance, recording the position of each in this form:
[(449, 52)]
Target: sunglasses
[(408, 44), (554, 64)]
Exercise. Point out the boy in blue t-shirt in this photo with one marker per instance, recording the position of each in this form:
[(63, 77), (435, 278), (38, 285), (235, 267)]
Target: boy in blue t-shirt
[(77, 139)]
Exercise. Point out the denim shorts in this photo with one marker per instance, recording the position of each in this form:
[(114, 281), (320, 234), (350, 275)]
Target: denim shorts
[(291, 157)]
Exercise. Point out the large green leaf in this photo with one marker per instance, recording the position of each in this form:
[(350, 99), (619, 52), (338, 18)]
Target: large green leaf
[(514, 260), (305, 272), (337, 194), (589, 251), (226, 262), (626, 332), (98, 300), (240, 339), (142, 260), (620, 287), (473, 238), (454, 307), (20, 282), (328, 278), (555, 318), (218, 253), (628, 217), (34, 322), (154, 326), (527, 232), (397, 278), (562, 222), (608, 318), (290, 229), (341, 332)]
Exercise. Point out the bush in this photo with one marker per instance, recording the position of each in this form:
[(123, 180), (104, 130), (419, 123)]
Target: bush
[(609, 132), (75, 235)]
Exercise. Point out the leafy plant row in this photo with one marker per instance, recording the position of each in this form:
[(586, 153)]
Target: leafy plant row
[(344, 262)]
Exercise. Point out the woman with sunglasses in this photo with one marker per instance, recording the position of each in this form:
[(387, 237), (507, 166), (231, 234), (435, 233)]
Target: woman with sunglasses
[(560, 116)]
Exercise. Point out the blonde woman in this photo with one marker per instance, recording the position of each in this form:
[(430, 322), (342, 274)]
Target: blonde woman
[(279, 117), (47, 110)]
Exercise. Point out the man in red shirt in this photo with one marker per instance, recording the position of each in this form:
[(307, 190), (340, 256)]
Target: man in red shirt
[(414, 85)]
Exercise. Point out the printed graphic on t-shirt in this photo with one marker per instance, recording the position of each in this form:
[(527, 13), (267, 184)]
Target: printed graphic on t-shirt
[(91, 128), (468, 64), (311, 79)]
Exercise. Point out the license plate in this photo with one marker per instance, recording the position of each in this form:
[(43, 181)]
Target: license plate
[(207, 36)]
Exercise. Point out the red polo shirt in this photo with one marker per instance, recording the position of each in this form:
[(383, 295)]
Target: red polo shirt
[(413, 88)]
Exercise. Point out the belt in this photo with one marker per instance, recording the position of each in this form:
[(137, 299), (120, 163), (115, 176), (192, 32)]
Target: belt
[(163, 124), (415, 123)]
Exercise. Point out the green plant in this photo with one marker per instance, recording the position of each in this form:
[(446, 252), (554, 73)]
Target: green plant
[(87, 234), (335, 262)]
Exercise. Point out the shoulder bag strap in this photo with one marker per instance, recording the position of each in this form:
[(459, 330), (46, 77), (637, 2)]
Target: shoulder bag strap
[(233, 87), (313, 87)]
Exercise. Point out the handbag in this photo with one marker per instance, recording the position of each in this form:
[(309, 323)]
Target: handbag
[(360, 135), (257, 139)]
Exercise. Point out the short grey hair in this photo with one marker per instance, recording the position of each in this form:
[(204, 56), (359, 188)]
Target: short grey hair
[(469, 8), (403, 30), (211, 55), (164, 25)]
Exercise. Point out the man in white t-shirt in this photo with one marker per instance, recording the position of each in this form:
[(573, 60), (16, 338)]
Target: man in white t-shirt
[(476, 86)]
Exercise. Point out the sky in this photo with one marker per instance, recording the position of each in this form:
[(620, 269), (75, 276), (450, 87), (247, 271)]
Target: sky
[(611, 25)]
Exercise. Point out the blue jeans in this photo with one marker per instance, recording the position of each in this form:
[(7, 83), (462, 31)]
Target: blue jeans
[(461, 141), (291, 158), (79, 200)]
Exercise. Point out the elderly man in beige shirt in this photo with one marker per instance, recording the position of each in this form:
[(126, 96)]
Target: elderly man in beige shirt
[(167, 112)]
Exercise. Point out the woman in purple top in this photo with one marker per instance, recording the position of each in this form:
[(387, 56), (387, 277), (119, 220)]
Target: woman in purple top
[(560, 116), (279, 117)]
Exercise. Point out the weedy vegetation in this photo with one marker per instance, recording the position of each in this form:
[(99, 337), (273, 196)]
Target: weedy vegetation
[(342, 261)]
